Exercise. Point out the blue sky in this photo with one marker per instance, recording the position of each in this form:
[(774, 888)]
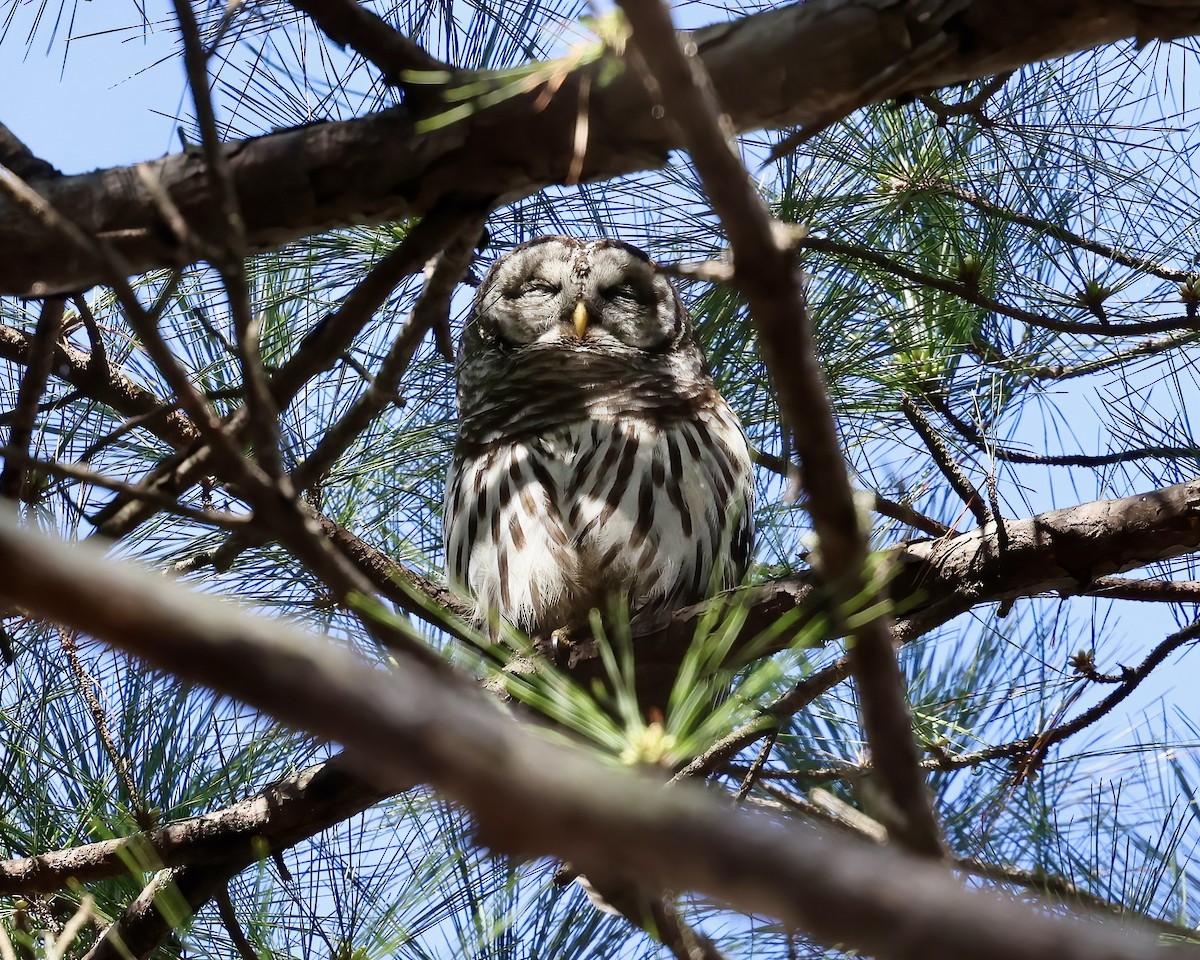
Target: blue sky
[(84, 94), (110, 97), (91, 102)]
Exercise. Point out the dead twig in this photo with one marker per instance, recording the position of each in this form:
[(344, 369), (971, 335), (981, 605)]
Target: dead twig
[(945, 462)]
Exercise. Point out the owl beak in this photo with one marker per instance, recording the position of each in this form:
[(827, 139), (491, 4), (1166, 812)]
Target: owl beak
[(580, 319)]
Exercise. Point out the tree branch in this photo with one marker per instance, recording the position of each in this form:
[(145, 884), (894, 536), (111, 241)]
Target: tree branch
[(765, 274), (387, 166), (281, 814), (530, 796), (348, 23), (29, 395)]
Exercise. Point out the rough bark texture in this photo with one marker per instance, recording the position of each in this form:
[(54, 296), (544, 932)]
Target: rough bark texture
[(105, 384), (936, 580), (797, 65), (278, 816), (530, 796)]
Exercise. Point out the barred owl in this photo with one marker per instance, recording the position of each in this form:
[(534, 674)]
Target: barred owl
[(595, 461)]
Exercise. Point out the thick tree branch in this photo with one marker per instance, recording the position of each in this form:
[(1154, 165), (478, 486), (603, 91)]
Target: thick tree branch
[(772, 69), (281, 814), (934, 581), (533, 797), (21, 160)]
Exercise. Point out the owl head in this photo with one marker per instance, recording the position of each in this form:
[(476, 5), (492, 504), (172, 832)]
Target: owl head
[(564, 329), (569, 293)]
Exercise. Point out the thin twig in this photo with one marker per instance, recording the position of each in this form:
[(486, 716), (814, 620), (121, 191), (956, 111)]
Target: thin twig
[(430, 311), (902, 512), (87, 690), (1064, 235), (7, 419), (263, 422), (756, 767), (972, 295), (969, 432), (29, 394), (1159, 591), (945, 462), (1030, 749), (1148, 348), (972, 106), (98, 364), (229, 920), (163, 501)]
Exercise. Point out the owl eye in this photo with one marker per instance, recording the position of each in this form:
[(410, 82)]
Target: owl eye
[(621, 291), (538, 288)]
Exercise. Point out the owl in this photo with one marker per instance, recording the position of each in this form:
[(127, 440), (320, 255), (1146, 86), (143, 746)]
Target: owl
[(596, 463)]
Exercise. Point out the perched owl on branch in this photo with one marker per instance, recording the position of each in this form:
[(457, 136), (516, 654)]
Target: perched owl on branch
[(596, 463)]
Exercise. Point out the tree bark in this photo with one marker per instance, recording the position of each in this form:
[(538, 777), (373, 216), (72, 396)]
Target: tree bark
[(804, 64)]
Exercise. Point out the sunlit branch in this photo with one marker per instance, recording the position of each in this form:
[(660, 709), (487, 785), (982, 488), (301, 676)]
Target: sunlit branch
[(765, 274), (534, 797), (386, 167)]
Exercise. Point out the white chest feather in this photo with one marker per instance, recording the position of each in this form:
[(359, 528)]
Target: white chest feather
[(540, 531)]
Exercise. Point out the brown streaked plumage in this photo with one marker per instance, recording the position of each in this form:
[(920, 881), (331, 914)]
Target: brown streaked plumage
[(595, 459)]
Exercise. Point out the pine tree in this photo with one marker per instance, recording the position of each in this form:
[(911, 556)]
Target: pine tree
[(258, 724)]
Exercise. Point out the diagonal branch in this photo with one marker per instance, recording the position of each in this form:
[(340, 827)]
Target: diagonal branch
[(317, 352), (958, 480), (766, 276), (531, 796), (230, 257), (348, 23), (29, 394), (281, 814), (430, 312)]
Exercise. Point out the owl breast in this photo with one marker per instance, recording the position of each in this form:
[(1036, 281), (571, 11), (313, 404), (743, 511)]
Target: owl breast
[(651, 514)]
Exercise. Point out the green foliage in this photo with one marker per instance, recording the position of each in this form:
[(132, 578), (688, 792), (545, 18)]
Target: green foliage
[(1069, 199)]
